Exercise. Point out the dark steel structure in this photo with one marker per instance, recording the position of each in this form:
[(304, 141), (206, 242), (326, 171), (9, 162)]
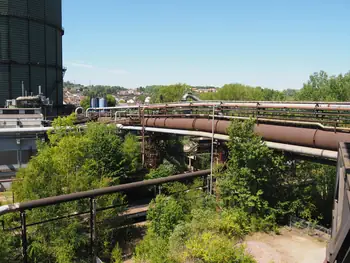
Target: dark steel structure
[(338, 249), (31, 49)]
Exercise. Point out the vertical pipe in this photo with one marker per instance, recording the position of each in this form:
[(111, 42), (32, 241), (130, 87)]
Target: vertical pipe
[(20, 156), (92, 229), (24, 237), (212, 153), (22, 85), (143, 138)]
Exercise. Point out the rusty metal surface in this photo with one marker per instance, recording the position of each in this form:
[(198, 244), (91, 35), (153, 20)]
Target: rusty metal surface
[(290, 135)]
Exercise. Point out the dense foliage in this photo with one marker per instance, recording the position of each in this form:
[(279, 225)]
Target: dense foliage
[(319, 87), (93, 90), (242, 92), (257, 190), (71, 161), (168, 93), (268, 184), (187, 227), (322, 87), (254, 173)]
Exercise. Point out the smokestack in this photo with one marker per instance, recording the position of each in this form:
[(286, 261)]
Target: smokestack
[(39, 90), (22, 88)]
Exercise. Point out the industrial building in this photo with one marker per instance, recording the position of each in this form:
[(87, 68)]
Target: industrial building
[(31, 49)]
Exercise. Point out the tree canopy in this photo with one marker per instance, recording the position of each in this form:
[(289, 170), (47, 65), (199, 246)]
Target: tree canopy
[(170, 93), (72, 160), (322, 87), (243, 92)]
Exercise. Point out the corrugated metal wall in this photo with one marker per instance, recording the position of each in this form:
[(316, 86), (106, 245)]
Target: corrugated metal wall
[(31, 48)]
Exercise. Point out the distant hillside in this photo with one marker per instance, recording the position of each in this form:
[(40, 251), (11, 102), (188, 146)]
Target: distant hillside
[(94, 90)]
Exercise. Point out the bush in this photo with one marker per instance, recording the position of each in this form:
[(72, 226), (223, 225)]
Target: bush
[(152, 248), (117, 254), (209, 247), (164, 213)]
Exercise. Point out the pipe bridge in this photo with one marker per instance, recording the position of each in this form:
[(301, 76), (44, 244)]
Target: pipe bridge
[(310, 126)]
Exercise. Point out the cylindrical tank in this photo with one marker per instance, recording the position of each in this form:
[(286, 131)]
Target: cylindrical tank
[(102, 102), (97, 104), (92, 103), (31, 48)]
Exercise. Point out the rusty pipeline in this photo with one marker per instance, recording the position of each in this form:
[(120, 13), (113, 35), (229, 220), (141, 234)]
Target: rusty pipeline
[(316, 138)]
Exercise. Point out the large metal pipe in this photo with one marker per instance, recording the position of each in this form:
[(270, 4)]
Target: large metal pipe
[(25, 130), (289, 122), (299, 150), (316, 138)]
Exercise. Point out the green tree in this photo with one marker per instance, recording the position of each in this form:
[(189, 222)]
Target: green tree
[(163, 170), (198, 233), (243, 92), (111, 102), (72, 161), (254, 173), (168, 93), (164, 214), (269, 185), (85, 103), (132, 155), (322, 87)]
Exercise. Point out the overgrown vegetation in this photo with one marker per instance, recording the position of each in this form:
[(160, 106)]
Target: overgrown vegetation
[(257, 191), (71, 161), (188, 228), (319, 87)]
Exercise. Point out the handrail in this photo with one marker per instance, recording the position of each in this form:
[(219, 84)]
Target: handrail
[(96, 192)]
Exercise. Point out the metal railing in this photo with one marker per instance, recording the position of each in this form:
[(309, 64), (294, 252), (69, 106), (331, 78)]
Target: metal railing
[(311, 228), (338, 249), (91, 195)]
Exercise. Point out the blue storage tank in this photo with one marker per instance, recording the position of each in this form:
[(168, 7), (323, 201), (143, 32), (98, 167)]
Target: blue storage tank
[(97, 102), (93, 103), (102, 102)]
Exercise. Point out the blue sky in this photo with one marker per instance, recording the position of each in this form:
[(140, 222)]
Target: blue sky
[(270, 43)]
